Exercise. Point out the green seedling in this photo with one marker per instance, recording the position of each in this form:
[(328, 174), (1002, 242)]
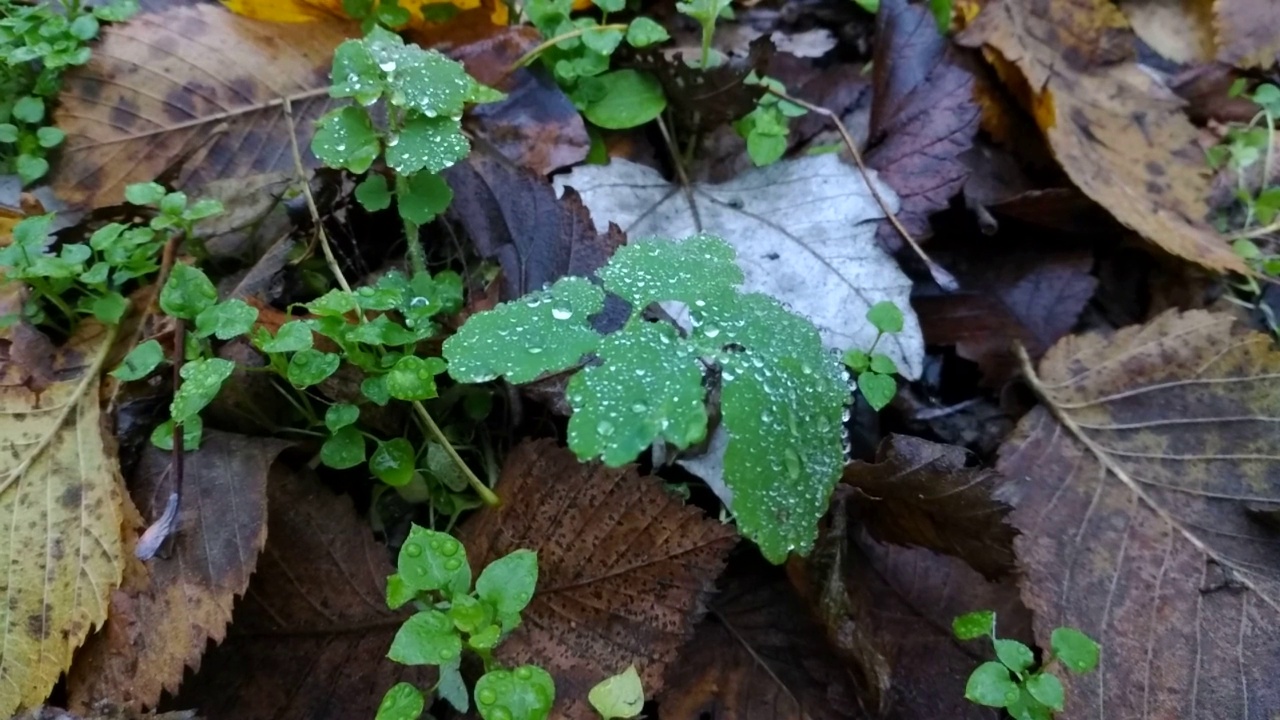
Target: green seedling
[(782, 395), (452, 616), (38, 43), (1014, 681), (408, 112), (875, 370)]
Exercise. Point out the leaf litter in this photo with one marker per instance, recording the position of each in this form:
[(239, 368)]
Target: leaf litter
[(1135, 501)]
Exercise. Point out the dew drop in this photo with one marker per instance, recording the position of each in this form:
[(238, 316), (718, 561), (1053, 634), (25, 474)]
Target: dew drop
[(453, 564), (605, 427), (449, 549), (486, 697), (561, 313), (524, 673), (535, 350), (639, 407), (792, 460)]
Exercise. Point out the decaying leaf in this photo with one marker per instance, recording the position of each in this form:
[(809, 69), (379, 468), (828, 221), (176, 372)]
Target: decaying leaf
[(1133, 487), (513, 216), (923, 116), (758, 654), (60, 518), (309, 640), (45, 712), (1007, 296), (624, 568), (803, 230), (168, 609), (1247, 32), (190, 79), (1118, 132), (925, 494)]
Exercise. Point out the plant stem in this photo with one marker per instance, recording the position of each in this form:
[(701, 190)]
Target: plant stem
[(552, 42), (481, 489), (417, 257), (708, 31)]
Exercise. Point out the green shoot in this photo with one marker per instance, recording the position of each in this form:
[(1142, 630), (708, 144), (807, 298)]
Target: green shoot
[(875, 370)]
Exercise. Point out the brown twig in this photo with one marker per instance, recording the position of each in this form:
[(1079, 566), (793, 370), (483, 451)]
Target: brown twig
[(945, 280)]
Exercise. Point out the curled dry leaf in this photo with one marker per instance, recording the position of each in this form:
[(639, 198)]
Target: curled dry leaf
[(190, 79), (1007, 296), (758, 654), (923, 116), (1118, 132), (60, 517), (624, 568), (309, 640), (1136, 488), (925, 494), (168, 609)]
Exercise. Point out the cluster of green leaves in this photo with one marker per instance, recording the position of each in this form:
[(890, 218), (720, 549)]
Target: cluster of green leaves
[(90, 279), (782, 395), (767, 127), (38, 42), (433, 574), (423, 94), (577, 53), (875, 370), (1014, 682), (1242, 149), (391, 14)]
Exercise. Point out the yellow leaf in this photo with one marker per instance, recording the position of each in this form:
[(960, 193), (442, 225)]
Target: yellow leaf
[(60, 519), (283, 11)]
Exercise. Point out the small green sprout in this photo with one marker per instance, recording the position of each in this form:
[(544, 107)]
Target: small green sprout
[(782, 394), (1014, 682), (875, 370), (434, 576)]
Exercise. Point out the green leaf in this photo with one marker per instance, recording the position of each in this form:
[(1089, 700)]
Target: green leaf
[(1027, 707), (356, 73), (203, 208), (414, 378), (117, 11), (1075, 649), (292, 336), (469, 614), (343, 449), (1047, 689), (451, 686), (766, 148), (545, 331), (201, 380), (8, 133), (991, 685), (525, 693), (858, 360), (643, 32), (486, 639), (603, 41), (427, 638), (402, 702), (883, 364), (226, 320), (393, 462), (334, 303), (974, 625), (877, 389), (398, 593), (375, 388), (648, 387), (49, 137), (1015, 656), (84, 27), (28, 109), (631, 98), (109, 308), (885, 316), (431, 560), (508, 582), (392, 15), (340, 415), (345, 138), (187, 293), (140, 361), (381, 330), (620, 696), (144, 193), (192, 431), (694, 271), (31, 167), (373, 194), (430, 83), (423, 197), (309, 367), (610, 5), (427, 143)]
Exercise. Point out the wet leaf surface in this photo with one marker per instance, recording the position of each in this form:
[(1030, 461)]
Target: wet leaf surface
[(1132, 488), (624, 569)]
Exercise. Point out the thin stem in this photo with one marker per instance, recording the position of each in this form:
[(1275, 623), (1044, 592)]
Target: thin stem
[(417, 257), (708, 31), (1258, 231), (944, 279), (552, 42), (481, 489)]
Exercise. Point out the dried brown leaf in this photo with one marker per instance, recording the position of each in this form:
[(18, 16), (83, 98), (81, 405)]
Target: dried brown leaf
[(758, 656), (190, 79), (1118, 132), (1008, 295), (702, 100), (923, 116), (168, 609), (309, 640), (1247, 32), (624, 568), (1134, 487), (927, 494)]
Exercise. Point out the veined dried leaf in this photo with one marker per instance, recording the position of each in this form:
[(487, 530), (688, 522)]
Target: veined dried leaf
[(192, 79), (60, 518), (1119, 133), (1247, 32), (1136, 489)]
